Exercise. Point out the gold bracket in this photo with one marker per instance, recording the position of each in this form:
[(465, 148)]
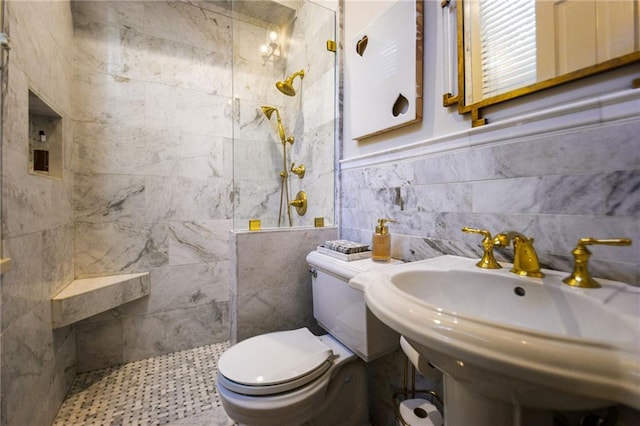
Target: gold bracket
[(448, 99), (331, 46), (445, 3), (476, 120), (635, 83), (300, 203)]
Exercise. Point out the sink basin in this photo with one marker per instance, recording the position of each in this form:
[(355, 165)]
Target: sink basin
[(531, 342)]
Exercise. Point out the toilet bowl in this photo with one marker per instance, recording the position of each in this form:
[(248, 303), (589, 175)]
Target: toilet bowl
[(295, 377)]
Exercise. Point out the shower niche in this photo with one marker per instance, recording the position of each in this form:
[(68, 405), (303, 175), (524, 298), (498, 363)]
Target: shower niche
[(45, 139), (284, 103)]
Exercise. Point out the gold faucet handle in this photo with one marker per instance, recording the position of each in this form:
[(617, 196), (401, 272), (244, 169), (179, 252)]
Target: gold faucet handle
[(580, 276), (488, 260), (607, 242), (300, 170)]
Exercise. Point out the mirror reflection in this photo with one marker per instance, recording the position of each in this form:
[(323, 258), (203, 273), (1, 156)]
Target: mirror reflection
[(510, 44)]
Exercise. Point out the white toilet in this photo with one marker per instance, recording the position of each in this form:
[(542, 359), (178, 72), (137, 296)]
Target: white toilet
[(294, 377)]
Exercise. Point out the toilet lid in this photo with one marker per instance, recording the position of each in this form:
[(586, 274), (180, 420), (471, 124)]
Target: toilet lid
[(289, 358)]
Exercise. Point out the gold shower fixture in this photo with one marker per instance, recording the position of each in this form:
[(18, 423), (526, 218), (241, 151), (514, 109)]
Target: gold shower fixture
[(268, 112), (286, 86), (299, 171), (300, 203)]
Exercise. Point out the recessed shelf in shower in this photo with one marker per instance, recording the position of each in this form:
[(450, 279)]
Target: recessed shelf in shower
[(45, 138)]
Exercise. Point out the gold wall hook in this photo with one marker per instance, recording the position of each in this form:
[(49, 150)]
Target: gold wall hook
[(488, 260), (300, 203), (580, 276), (300, 170)]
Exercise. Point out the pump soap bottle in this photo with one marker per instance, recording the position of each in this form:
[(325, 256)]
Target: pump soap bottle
[(381, 242)]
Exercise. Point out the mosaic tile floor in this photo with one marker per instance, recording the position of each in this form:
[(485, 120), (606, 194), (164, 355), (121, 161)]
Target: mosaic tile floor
[(172, 389)]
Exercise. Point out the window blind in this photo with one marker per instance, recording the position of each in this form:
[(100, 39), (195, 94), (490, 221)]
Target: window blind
[(508, 44)]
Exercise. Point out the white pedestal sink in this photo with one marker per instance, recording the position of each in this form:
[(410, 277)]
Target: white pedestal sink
[(511, 348)]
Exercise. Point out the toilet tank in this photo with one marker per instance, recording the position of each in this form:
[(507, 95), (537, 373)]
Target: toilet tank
[(340, 308)]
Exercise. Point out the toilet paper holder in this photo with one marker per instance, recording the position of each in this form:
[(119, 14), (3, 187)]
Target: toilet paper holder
[(410, 391)]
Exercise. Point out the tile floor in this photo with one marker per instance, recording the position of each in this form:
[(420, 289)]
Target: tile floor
[(173, 389)]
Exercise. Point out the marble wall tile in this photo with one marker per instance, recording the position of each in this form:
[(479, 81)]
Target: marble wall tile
[(472, 164), (171, 331), (602, 148), (153, 149), (122, 13), (190, 25), (23, 287), (198, 242), (580, 194), (618, 186), (25, 198), (170, 198), (29, 367), (318, 106), (14, 131), (37, 364), (176, 287), (107, 99), (99, 345), (57, 257), (167, 107), (520, 185), (99, 47), (106, 149), (114, 247), (274, 295), (101, 198)]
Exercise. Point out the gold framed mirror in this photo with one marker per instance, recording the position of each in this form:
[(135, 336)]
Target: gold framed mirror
[(508, 49)]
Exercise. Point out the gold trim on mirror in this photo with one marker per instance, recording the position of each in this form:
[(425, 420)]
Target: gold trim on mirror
[(475, 107)]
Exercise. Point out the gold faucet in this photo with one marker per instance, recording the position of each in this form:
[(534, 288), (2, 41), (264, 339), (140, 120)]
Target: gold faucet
[(488, 260), (580, 277), (525, 258)]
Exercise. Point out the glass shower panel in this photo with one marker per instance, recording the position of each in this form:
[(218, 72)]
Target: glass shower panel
[(283, 143)]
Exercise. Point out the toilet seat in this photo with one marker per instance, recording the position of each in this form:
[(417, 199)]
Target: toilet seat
[(274, 362)]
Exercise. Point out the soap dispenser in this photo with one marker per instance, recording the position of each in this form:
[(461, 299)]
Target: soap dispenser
[(381, 242)]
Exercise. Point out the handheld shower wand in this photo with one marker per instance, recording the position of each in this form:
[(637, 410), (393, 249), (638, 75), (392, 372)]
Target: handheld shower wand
[(268, 112), (284, 174), (286, 86)]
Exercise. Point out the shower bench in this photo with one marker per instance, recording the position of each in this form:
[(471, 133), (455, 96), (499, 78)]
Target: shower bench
[(86, 297)]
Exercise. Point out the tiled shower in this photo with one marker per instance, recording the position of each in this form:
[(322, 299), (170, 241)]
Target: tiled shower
[(151, 97)]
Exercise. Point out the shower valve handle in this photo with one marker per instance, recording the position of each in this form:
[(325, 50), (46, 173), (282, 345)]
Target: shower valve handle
[(300, 170)]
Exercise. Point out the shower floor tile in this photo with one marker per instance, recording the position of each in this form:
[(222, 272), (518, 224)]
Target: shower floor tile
[(173, 389)]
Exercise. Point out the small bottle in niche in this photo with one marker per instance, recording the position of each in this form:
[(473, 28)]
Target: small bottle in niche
[(381, 242)]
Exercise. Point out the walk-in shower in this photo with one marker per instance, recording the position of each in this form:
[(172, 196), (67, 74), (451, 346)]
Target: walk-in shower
[(283, 92)]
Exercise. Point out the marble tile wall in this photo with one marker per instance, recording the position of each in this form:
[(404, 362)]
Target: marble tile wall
[(38, 363), (556, 187), (152, 154), (273, 295)]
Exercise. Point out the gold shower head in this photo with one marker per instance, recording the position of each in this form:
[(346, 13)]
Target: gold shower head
[(268, 112), (286, 86)]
